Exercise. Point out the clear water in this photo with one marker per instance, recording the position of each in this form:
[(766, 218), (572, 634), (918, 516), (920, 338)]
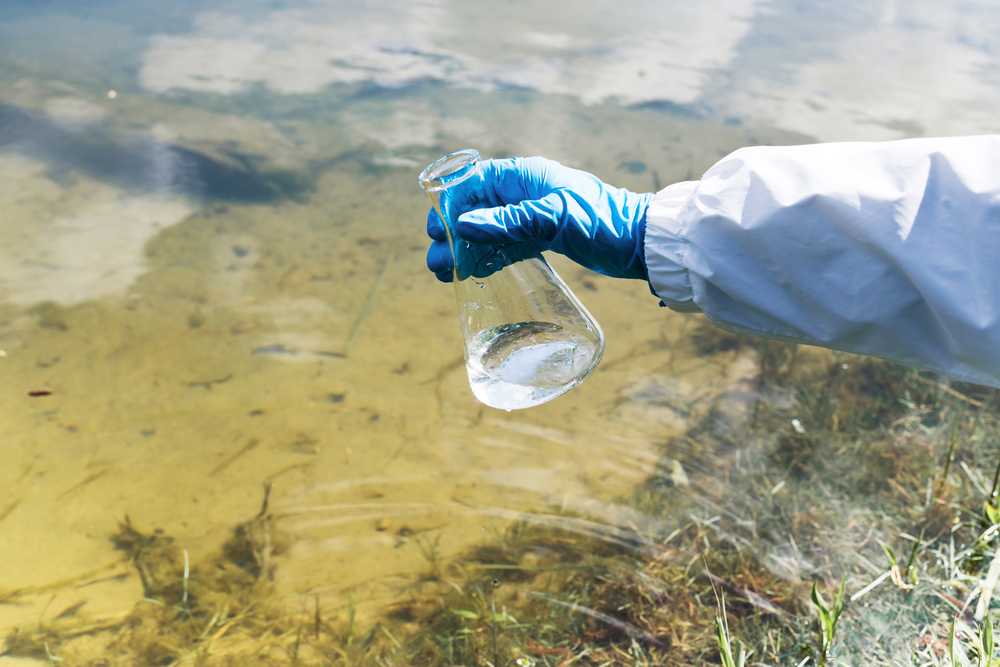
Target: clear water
[(212, 278), (525, 364)]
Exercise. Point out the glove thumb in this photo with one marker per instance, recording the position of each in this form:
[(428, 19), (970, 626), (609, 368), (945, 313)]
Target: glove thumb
[(533, 220)]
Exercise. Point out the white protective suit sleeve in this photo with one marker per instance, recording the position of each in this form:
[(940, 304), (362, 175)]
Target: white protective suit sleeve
[(886, 249)]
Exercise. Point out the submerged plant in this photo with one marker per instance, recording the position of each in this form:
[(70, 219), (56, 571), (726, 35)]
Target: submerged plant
[(828, 617), (950, 457), (904, 577), (980, 641), (729, 658), (429, 550)]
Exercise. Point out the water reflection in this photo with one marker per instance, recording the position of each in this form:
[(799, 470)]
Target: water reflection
[(68, 142), (218, 275)]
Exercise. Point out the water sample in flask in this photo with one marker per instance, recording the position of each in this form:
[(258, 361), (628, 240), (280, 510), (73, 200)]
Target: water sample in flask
[(527, 337)]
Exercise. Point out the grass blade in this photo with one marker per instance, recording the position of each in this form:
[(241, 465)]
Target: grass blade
[(986, 637), (951, 645)]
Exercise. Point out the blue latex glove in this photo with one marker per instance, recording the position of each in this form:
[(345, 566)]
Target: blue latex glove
[(546, 206)]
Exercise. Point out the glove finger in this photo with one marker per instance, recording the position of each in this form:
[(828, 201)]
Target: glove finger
[(435, 227), (439, 259), (536, 220), (445, 276), (517, 179)]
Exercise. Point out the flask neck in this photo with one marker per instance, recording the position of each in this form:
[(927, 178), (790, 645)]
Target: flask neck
[(450, 170)]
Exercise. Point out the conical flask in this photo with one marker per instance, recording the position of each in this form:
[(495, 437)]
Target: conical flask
[(527, 337)]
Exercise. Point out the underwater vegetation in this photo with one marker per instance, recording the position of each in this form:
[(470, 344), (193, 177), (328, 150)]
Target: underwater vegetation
[(843, 511)]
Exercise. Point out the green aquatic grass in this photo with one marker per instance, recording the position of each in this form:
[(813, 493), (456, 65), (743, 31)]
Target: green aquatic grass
[(906, 576), (429, 551), (977, 641), (732, 653), (828, 617)]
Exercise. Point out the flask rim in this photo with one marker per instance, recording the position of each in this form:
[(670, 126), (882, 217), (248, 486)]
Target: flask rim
[(450, 170)]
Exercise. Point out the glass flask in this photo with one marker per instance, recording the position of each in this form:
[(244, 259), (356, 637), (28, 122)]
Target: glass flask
[(527, 337)]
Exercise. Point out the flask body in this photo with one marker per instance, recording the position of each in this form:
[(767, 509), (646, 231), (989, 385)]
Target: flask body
[(527, 337)]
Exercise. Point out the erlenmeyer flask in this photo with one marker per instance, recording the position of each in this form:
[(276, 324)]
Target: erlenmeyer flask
[(527, 337)]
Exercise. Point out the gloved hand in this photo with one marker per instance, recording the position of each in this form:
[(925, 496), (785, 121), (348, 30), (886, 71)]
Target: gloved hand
[(551, 207)]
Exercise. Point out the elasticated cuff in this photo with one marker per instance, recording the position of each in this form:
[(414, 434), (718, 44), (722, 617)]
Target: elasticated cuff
[(665, 247)]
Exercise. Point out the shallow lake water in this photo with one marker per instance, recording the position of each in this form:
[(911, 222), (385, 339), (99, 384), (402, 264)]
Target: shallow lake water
[(221, 351)]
